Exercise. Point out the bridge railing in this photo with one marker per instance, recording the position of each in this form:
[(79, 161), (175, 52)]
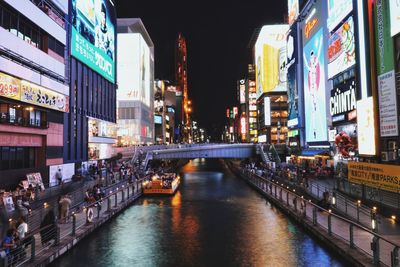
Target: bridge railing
[(377, 248)]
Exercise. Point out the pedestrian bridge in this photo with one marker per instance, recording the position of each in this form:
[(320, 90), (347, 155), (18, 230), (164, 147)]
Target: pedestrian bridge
[(204, 151)]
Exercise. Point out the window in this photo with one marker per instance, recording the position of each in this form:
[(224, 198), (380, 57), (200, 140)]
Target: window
[(17, 157), (56, 46)]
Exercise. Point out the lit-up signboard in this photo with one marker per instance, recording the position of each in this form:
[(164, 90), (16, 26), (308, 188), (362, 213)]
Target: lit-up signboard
[(314, 89), (394, 17), (343, 101), (270, 56), (341, 49), (385, 69), (293, 10), (366, 127), (235, 112), (157, 119), (134, 68), (293, 111), (243, 127), (267, 111), (337, 11), (93, 35), (227, 113), (31, 93), (242, 92)]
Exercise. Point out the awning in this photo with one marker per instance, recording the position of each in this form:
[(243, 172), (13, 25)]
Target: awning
[(314, 152)]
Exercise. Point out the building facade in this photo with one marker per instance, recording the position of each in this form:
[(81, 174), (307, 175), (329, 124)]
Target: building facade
[(136, 83), (34, 92)]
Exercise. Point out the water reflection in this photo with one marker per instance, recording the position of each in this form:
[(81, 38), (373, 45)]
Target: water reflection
[(214, 219)]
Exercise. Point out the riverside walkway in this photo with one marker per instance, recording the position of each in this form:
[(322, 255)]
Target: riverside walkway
[(360, 245)]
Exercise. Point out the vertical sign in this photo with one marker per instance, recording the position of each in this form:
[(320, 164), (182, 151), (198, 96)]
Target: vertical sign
[(267, 111)]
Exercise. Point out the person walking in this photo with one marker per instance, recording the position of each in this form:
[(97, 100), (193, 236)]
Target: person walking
[(48, 228), (59, 176), (65, 203)]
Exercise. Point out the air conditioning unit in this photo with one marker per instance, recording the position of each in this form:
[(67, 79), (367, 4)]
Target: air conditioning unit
[(384, 156), (392, 155), (392, 145)]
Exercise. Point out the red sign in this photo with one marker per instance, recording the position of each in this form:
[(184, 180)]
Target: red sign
[(227, 113)]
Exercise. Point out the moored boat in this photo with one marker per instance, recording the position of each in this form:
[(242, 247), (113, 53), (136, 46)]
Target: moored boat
[(162, 184)]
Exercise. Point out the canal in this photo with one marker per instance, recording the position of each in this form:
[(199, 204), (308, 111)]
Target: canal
[(215, 219)]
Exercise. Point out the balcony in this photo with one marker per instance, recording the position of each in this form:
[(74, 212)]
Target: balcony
[(7, 118)]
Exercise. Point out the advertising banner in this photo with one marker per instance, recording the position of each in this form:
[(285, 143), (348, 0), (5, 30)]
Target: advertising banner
[(341, 49), (28, 92), (385, 70), (267, 111), (293, 10), (394, 17), (270, 56), (10, 87), (242, 92), (40, 96), (343, 100), (386, 177), (293, 110), (337, 11), (93, 35), (67, 171), (314, 90), (366, 127)]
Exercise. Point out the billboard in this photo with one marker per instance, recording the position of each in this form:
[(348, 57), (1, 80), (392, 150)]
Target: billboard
[(134, 68), (293, 10), (385, 69), (93, 35), (157, 119), (366, 127), (337, 11), (293, 110), (341, 49), (314, 89), (270, 57), (267, 111), (343, 101), (242, 92), (394, 17), (386, 177)]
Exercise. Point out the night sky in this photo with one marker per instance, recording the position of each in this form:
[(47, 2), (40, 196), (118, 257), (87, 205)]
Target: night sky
[(217, 34)]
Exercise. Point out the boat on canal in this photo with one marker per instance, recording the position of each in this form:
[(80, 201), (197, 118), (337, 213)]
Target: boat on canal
[(162, 184)]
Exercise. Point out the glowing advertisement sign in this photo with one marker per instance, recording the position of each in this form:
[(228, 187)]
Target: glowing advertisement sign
[(394, 17), (243, 128), (385, 70), (293, 10), (293, 111), (93, 35), (267, 111), (270, 55), (386, 177), (31, 93), (341, 49), (242, 92), (366, 127), (314, 89), (337, 11), (343, 101)]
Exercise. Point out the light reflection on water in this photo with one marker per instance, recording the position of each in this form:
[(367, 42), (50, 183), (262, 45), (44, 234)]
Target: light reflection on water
[(214, 219)]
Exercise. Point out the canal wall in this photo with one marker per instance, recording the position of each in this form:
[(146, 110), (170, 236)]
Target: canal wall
[(352, 256)]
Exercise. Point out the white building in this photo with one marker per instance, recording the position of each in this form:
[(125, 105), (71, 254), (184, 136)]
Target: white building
[(135, 96)]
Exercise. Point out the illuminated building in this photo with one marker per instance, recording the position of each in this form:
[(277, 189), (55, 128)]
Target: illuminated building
[(33, 66), (181, 81), (135, 83)]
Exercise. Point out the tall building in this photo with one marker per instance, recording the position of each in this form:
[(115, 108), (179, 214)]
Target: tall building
[(34, 93), (181, 76), (89, 128), (135, 83)]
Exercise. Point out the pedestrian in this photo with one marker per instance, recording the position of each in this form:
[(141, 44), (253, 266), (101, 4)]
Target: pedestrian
[(65, 203), (22, 228), (24, 212), (8, 244), (48, 228), (59, 176)]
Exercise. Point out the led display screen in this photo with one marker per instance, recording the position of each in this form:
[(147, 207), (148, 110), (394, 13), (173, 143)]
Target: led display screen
[(293, 10), (157, 119), (366, 127), (93, 35), (394, 17), (314, 89), (342, 49), (337, 11)]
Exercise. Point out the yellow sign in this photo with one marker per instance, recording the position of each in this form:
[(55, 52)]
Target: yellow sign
[(10, 87), (37, 95), (386, 177)]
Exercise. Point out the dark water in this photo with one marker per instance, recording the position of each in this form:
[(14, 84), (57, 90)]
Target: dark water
[(214, 219)]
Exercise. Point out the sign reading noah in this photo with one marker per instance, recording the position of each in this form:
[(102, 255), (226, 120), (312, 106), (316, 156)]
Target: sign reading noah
[(93, 35)]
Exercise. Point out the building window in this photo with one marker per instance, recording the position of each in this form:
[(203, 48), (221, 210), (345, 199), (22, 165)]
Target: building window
[(17, 157), (22, 115)]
